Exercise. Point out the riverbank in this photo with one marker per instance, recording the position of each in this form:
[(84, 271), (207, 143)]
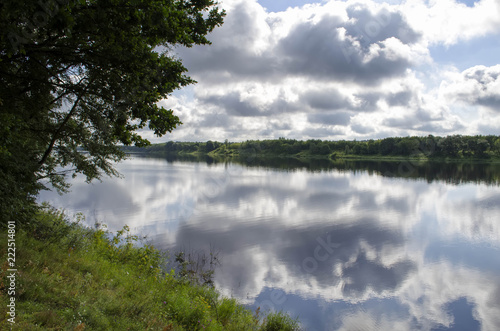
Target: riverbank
[(305, 156), (234, 155), (483, 149), (70, 277), (239, 150)]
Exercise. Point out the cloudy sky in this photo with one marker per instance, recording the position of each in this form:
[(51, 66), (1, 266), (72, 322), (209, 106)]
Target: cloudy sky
[(356, 69)]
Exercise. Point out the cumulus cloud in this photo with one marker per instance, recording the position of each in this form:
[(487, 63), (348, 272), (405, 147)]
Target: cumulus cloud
[(332, 50), (399, 98), (365, 44), (425, 121), (478, 85), (234, 104), (337, 118), (324, 67), (450, 21)]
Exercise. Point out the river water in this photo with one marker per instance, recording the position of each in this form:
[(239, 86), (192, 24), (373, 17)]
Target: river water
[(343, 246)]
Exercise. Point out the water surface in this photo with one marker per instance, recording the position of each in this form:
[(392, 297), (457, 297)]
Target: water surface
[(344, 246)]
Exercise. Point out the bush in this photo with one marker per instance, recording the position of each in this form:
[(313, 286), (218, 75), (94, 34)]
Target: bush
[(280, 322)]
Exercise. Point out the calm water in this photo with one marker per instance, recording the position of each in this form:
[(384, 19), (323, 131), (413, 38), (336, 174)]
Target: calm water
[(347, 246)]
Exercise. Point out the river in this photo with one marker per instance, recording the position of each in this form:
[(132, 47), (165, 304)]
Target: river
[(341, 245)]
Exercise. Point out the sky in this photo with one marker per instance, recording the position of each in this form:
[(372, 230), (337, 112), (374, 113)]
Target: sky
[(333, 70)]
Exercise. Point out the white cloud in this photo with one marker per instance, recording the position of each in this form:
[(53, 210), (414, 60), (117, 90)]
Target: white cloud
[(449, 21), (336, 70), (478, 85)]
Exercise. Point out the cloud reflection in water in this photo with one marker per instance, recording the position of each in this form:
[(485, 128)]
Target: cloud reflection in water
[(369, 252)]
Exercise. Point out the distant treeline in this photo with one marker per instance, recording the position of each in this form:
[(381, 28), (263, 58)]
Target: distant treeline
[(455, 146)]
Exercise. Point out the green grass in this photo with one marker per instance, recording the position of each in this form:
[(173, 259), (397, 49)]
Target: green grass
[(342, 156), (73, 278)]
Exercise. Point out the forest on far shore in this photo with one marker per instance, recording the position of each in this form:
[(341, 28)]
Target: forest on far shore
[(455, 146)]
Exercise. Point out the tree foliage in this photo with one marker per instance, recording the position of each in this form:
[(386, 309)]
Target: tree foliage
[(86, 75), (455, 146)]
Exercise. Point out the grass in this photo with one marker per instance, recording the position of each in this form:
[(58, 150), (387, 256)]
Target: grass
[(73, 278), (355, 157)]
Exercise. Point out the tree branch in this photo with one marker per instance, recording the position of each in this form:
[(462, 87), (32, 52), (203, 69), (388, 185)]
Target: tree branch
[(61, 127), (61, 173)]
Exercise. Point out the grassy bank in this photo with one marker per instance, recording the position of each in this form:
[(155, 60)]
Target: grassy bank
[(224, 154), (235, 152), (73, 278)]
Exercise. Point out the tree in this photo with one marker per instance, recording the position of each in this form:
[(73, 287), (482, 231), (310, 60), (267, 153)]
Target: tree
[(373, 146), (482, 146), (86, 75), (387, 146), (317, 147), (450, 145), (407, 146), (497, 146), (209, 146)]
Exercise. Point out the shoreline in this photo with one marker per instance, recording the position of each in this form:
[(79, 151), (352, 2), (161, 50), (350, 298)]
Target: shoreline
[(331, 157)]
